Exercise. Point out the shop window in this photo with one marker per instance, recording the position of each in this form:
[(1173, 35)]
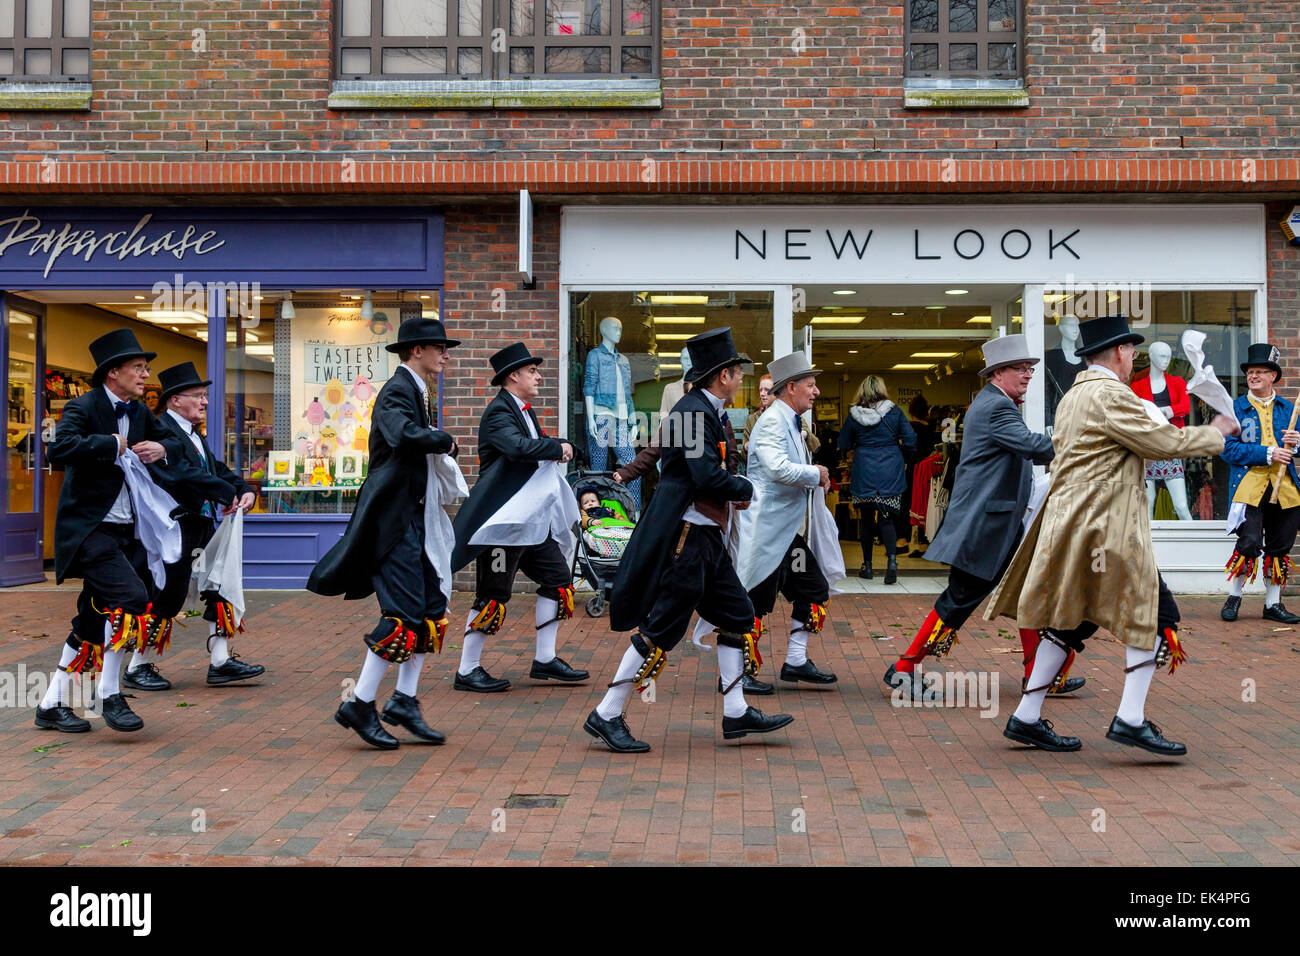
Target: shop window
[(964, 39), (22, 428), (300, 390), (1192, 488), (45, 41), (495, 39)]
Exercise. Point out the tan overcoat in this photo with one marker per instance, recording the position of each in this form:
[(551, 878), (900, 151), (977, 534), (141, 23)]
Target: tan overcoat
[(1087, 555)]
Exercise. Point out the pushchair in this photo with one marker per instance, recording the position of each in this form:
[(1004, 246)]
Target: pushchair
[(599, 550)]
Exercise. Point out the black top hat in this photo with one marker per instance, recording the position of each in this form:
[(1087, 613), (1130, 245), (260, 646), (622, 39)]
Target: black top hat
[(710, 352), (510, 358), (113, 349), (1097, 335), (178, 378), (421, 332), (1261, 354)]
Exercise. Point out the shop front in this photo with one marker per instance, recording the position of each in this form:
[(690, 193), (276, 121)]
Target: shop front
[(908, 293), (287, 311)]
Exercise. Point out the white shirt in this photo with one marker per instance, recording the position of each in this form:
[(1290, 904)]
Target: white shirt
[(121, 512), (419, 380), (1103, 368), (192, 432), (692, 514), (528, 420)]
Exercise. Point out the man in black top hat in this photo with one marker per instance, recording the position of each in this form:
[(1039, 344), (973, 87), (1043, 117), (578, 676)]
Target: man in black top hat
[(94, 528), (676, 562), (201, 484), (383, 551), (511, 449), (1266, 521)]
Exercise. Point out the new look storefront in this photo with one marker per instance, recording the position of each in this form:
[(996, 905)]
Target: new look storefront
[(909, 292), (287, 311)]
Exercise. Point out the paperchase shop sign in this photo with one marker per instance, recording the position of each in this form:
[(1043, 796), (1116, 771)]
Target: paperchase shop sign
[(899, 244)]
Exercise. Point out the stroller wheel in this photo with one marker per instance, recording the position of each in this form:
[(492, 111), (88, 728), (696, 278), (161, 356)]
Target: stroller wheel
[(595, 606)]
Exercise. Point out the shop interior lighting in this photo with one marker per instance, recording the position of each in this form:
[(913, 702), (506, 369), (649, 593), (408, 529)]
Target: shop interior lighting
[(844, 292), (674, 336), (367, 308), (679, 299), (679, 320), (837, 319), (934, 354), (980, 320), (173, 317), (912, 366), (670, 368), (956, 291), (936, 308), (286, 307)]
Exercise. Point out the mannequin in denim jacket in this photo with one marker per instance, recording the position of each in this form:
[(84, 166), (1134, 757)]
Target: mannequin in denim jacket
[(607, 394)]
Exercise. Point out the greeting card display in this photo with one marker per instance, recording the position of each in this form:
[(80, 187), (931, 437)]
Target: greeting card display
[(316, 471), (281, 469), (347, 469)]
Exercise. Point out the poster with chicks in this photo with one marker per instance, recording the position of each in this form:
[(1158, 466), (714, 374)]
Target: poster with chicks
[(339, 364)]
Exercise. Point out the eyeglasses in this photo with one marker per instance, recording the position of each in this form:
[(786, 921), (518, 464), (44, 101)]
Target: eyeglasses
[(1023, 369)]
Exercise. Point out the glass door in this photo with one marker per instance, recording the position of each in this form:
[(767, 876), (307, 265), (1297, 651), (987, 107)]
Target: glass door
[(22, 341)]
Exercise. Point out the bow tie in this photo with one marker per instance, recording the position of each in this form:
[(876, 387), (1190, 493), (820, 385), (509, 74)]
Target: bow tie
[(128, 409), (528, 406)]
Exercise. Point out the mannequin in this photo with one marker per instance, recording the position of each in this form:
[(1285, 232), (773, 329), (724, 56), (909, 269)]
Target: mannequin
[(674, 391), (607, 395), (1062, 364), (1169, 394)]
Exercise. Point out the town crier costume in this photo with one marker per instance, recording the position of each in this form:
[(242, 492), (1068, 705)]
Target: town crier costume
[(101, 528), (983, 523), (202, 485), (1261, 459), (517, 518), (391, 547), (676, 561), (1086, 560)]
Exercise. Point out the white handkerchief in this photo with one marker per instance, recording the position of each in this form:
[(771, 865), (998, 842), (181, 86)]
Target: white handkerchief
[(1204, 384), (220, 567), (444, 485), (157, 530)]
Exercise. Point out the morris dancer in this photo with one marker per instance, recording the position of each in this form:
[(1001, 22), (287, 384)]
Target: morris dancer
[(511, 448), (384, 550), (676, 561), (200, 482), (983, 522), (1086, 560), (95, 533), (1264, 524)]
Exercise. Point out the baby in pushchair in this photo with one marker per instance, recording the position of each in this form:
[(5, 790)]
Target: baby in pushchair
[(607, 517)]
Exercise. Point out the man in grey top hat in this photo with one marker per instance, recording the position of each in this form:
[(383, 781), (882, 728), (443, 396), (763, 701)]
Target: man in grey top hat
[(983, 523)]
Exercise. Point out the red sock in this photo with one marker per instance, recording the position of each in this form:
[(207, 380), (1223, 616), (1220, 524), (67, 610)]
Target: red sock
[(1029, 643), (906, 666)]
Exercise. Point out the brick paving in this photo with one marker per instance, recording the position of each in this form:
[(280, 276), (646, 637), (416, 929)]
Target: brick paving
[(262, 775)]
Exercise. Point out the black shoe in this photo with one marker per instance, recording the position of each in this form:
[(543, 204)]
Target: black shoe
[(232, 670), (752, 721), (915, 686), (891, 569), (615, 734), (118, 714), (480, 681), (1040, 735), (752, 685), (61, 718), (361, 717), (403, 710), (865, 571), (1148, 737), (1069, 687), (556, 669), (145, 677), (807, 672), (1230, 608), (1276, 612)]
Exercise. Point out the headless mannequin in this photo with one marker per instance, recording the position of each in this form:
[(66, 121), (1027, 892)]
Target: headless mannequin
[(1161, 355)]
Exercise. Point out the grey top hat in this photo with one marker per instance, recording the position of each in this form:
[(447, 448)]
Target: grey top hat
[(790, 367), (1007, 350)]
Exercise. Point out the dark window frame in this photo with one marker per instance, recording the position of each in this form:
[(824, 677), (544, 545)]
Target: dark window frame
[(981, 37), (496, 64), (20, 43)]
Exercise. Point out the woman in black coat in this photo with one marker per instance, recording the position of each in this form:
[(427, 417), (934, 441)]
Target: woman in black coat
[(878, 434)]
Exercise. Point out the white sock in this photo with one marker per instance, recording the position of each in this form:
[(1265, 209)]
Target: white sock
[(408, 675), (796, 652), (137, 658), (220, 652), (731, 662), (372, 672), (546, 633), (472, 648), (1236, 586), (616, 697), (1136, 684), (59, 681), (1272, 594), (110, 679), (1047, 664)]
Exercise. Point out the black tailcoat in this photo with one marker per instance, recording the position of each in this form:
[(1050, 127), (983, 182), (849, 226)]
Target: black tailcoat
[(692, 466), (393, 490), (508, 457)]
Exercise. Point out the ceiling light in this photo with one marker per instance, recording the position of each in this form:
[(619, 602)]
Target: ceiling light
[(845, 292), (679, 319), (897, 313), (1055, 297), (839, 363), (956, 291), (258, 298), (354, 297), (838, 319), (936, 307), (670, 368), (905, 366), (674, 336), (286, 307), (139, 297), (174, 329), (853, 351), (980, 320), (679, 299), (182, 317), (424, 297), (367, 308), (765, 350), (934, 354)]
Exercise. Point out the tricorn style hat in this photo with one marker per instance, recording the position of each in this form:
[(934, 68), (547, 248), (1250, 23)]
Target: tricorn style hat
[(710, 352), (421, 332), (178, 378), (1006, 350), (510, 358), (1097, 335), (789, 368), (1263, 355), (113, 349)]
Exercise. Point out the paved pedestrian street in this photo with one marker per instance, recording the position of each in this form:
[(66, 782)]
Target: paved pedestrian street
[(262, 774)]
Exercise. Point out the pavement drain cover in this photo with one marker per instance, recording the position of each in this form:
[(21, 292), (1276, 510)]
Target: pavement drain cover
[(534, 801)]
